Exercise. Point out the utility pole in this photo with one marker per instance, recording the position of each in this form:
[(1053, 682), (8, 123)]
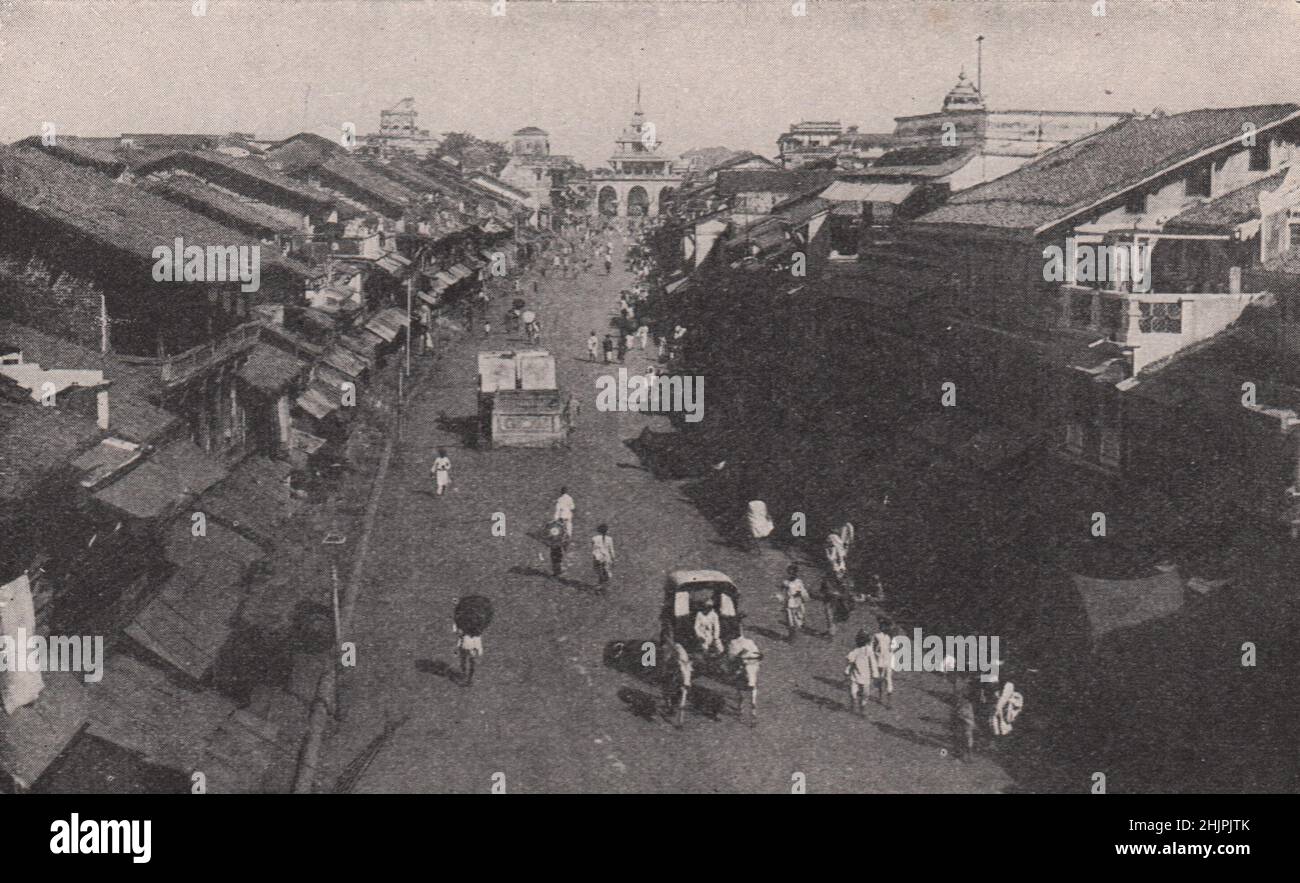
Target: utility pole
[(979, 65)]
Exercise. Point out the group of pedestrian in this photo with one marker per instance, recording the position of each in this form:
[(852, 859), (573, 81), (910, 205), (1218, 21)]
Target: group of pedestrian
[(559, 539)]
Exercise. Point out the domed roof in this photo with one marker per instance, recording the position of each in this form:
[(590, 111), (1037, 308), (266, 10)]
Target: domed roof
[(528, 130)]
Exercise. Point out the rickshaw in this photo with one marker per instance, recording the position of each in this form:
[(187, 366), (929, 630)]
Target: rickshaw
[(686, 593)]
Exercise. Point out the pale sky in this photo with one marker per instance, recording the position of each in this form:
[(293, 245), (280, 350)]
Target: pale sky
[(734, 73)]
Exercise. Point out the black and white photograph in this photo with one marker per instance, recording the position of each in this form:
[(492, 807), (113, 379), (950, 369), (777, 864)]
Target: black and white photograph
[(603, 398)]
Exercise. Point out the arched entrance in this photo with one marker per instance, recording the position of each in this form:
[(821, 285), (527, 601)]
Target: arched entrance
[(638, 202), (666, 199), (608, 201)]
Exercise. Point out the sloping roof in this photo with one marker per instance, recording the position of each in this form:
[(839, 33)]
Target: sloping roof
[(271, 369), (800, 209), (32, 737), (196, 196), (867, 191), (105, 155), (247, 168), (255, 498), (193, 614), (174, 475), (140, 708), (1083, 173), (1222, 214), (363, 178), (35, 441), (738, 158), (773, 181), (530, 130), (118, 216)]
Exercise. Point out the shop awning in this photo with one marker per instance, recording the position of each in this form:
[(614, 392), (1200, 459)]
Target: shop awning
[(384, 330), (174, 475), (394, 264), (193, 616), (363, 345), (110, 456), (393, 316), (446, 278), (342, 359), (867, 191), (429, 298), (306, 442), (316, 404), (460, 271)]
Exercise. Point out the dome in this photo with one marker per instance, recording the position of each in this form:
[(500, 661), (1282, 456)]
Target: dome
[(529, 130)]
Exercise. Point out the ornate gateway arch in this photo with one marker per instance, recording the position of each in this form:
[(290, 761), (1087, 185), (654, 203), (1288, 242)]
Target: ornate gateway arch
[(640, 173)]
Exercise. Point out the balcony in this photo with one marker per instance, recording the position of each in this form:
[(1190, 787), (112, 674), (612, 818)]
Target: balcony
[(181, 367), (1154, 325)]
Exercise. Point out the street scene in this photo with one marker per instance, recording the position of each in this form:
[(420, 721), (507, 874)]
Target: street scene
[(551, 400)]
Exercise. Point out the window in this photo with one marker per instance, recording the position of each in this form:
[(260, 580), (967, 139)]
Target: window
[(1161, 318), (1259, 157), (1199, 180)]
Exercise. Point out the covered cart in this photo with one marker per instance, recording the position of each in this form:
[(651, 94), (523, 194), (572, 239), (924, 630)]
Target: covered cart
[(519, 402)]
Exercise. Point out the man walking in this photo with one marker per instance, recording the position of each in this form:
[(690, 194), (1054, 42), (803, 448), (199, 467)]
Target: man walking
[(883, 641), (557, 542), (608, 346), (861, 671), (795, 597), (593, 346), (441, 471), (602, 556), (469, 648), (564, 507), (745, 652)]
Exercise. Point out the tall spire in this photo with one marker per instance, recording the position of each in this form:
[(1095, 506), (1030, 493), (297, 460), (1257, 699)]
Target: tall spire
[(638, 96)]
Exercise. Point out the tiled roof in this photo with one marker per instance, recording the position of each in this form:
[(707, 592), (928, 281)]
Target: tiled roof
[(196, 196), (1082, 173), (246, 167), (116, 215)]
